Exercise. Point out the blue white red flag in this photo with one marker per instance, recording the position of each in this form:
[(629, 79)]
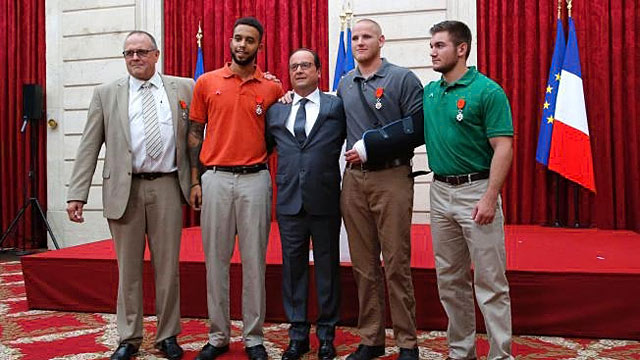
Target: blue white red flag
[(570, 153)]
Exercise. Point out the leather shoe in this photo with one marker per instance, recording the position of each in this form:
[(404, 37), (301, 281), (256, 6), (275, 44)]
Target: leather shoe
[(296, 349), (210, 352), (124, 352), (256, 352), (409, 354), (366, 352), (170, 348), (326, 351)]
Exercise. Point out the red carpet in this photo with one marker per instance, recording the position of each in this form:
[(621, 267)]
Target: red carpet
[(564, 282), (38, 335)]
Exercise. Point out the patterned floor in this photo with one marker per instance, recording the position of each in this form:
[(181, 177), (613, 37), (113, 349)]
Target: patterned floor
[(35, 335)]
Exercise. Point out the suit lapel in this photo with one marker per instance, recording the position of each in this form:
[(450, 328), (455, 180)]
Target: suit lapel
[(325, 106), (172, 93), (122, 101)]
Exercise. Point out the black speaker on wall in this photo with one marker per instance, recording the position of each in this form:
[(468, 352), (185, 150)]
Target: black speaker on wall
[(32, 101)]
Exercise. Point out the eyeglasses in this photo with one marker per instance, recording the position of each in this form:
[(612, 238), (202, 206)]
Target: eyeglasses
[(303, 65), (141, 52)]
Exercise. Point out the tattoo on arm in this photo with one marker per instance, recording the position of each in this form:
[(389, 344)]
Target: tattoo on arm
[(194, 142)]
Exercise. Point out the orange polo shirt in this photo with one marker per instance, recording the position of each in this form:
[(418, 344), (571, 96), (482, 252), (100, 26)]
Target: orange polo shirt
[(235, 129)]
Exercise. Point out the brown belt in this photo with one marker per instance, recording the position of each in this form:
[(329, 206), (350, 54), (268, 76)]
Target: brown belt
[(380, 166), (462, 179)]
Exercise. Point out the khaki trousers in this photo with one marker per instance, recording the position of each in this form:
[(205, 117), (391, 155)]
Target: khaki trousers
[(377, 208), (457, 242), (154, 208), (236, 204)]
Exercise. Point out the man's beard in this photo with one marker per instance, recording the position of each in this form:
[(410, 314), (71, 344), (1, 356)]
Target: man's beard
[(246, 61), (445, 67)]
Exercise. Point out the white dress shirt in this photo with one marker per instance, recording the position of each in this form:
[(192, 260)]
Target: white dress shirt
[(166, 162), (312, 108)]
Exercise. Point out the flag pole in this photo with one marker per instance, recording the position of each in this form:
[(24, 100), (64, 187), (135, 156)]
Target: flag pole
[(559, 9), (556, 222), (199, 35), (576, 187), (199, 69)]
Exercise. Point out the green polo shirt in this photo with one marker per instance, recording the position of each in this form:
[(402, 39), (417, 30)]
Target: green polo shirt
[(461, 147)]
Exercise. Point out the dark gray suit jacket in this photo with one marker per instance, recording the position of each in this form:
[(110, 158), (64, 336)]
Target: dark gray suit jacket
[(308, 175)]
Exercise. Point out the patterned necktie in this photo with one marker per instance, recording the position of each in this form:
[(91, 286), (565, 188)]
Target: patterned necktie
[(301, 118), (152, 136)]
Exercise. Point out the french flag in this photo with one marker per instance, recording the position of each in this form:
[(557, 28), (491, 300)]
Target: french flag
[(570, 153)]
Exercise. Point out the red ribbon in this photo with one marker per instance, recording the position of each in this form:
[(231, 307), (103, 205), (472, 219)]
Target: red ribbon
[(461, 104), (379, 92)]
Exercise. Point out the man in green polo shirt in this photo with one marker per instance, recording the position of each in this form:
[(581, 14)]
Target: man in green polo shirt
[(469, 137)]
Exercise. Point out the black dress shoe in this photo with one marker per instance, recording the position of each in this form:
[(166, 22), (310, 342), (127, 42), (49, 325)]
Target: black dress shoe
[(124, 352), (210, 352), (409, 354), (170, 348), (296, 349), (256, 352), (366, 352), (326, 351)]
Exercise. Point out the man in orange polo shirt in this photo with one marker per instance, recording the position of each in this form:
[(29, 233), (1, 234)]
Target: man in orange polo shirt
[(235, 190)]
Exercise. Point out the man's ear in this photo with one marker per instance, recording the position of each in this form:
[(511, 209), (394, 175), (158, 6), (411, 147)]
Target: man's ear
[(462, 49)]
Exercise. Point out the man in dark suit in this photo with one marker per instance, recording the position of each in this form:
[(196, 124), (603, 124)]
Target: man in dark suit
[(308, 134), (142, 121)]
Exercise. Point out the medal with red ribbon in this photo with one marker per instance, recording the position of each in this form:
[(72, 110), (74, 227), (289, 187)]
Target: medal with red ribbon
[(460, 104), (379, 93), (183, 106), (259, 103)]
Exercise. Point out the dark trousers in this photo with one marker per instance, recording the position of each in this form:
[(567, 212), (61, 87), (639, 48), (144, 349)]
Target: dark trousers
[(295, 233)]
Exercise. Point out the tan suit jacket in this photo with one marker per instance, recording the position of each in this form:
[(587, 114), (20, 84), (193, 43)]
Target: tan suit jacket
[(108, 123)]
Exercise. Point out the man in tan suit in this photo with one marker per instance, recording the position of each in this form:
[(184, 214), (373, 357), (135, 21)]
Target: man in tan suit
[(142, 120)]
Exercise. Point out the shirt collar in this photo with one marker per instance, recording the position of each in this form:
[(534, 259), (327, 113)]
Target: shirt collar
[(314, 97), (465, 80), (382, 71), (257, 73), (135, 84)]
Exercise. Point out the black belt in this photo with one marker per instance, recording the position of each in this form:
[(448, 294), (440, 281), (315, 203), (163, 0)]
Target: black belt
[(380, 166), (248, 169), (151, 175), (462, 179)]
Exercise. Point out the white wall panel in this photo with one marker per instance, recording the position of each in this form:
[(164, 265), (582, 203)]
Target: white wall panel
[(93, 71), (93, 46), (75, 5), (97, 21)]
